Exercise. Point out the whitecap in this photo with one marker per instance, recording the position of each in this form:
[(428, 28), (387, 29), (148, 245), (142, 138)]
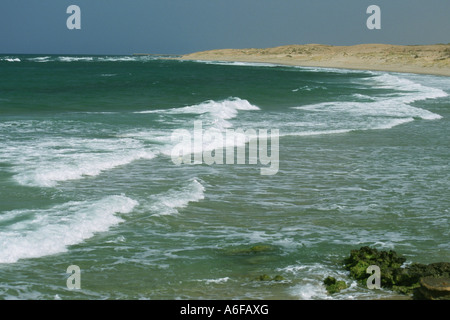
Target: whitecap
[(216, 281), (11, 59), (169, 202), (118, 59), (214, 118), (410, 90), (40, 59), (34, 233), (238, 63), (72, 59), (48, 162)]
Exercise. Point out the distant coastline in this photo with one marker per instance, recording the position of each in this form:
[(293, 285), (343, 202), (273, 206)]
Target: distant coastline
[(422, 59)]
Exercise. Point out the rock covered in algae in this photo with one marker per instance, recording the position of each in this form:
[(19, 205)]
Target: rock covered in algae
[(394, 275), (409, 277), (257, 249), (265, 277), (388, 262), (278, 278), (334, 286)]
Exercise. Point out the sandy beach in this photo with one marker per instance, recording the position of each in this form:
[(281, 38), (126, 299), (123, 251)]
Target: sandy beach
[(422, 59)]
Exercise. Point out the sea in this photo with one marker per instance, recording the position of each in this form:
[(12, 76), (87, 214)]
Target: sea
[(118, 179)]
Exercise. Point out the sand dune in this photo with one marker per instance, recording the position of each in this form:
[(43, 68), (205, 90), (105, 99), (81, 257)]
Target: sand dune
[(427, 59)]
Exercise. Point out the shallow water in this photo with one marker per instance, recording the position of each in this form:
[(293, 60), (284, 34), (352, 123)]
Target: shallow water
[(88, 179)]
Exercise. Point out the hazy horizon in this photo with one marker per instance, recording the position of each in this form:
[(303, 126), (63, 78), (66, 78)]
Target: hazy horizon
[(180, 27)]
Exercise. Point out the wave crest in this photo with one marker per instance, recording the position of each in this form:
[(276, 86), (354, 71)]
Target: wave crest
[(36, 233)]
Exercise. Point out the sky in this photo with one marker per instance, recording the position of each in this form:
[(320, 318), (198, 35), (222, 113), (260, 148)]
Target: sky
[(185, 26)]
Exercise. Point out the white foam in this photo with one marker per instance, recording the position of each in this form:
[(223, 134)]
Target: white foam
[(212, 139), (41, 232), (392, 123), (150, 111), (412, 91), (309, 291), (216, 281), (72, 59), (119, 59), (215, 119), (215, 112), (363, 97), (319, 132), (380, 108), (309, 88), (11, 59), (238, 63), (330, 70), (168, 203), (47, 162), (379, 112), (89, 58), (40, 59)]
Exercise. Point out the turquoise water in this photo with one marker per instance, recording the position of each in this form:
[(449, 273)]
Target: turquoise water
[(87, 177)]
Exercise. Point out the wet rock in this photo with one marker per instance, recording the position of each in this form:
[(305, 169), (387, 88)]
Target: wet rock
[(432, 288), (278, 278), (413, 273), (334, 286), (253, 254), (257, 249), (265, 277)]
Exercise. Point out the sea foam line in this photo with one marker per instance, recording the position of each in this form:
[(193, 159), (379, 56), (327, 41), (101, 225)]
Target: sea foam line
[(238, 63), (381, 112)]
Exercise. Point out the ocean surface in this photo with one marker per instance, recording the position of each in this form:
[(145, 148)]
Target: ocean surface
[(93, 174)]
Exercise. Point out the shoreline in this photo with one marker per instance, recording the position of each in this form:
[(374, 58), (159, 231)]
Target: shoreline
[(420, 59)]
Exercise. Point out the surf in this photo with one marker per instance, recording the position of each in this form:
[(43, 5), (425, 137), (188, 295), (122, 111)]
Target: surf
[(34, 233)]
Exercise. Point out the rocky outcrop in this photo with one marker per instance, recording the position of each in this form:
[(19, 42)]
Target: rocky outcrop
[(388, 261), (407, 279)]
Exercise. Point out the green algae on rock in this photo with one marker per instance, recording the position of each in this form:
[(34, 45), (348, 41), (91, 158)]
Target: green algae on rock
[(265, 277), (394, 275), (334, 286), (257, 249), (360, 260)]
